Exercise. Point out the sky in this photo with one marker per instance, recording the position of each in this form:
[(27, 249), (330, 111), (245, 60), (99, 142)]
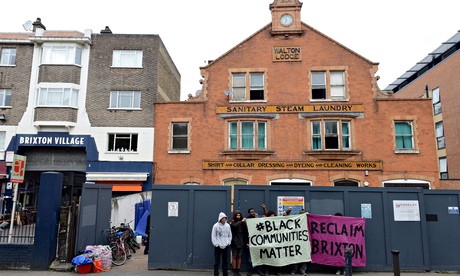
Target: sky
[(394, 33)]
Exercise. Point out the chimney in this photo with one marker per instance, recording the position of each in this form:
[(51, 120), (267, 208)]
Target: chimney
[(106, 30), (38, 24)]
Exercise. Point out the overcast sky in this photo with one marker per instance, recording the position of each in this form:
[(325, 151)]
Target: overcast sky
[(395, 33)]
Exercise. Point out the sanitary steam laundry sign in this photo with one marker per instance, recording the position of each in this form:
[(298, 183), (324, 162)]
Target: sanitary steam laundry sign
[(279, 241), (331, 235)]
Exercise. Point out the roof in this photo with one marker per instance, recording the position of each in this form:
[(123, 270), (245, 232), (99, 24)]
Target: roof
[(438, 55)]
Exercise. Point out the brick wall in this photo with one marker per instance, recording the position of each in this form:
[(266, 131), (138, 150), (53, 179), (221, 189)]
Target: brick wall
[(103, 79), (17, 78)]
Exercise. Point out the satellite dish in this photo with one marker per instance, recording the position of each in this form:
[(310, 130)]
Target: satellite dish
[(27, 25), (197, 93), (228, 92)]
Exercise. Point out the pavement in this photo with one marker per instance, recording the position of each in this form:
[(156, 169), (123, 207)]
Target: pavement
[(137, 265)]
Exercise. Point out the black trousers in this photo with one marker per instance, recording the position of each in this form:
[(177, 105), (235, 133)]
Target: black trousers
[(219, 254)]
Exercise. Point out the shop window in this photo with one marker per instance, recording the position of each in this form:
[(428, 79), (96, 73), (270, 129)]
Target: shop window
[(8, 56), (248, 86), (247, 135), (122, 142), (404, 135), (127, 58), (61, 55), (125, 99), (436, 101), (5, 97), (59, 96), (331, 135), (180, 136), (328, 85), (440, 135)]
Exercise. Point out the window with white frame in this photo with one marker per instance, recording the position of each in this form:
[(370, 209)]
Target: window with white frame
[(64, 97), (404, 135), (122, 142), (180, 136), (2, 140), (248, 86), (247, 135), (328, 85), (440, 135), (8, 56), (127, 58), (125, 99), (331, 135), (443, 168), (436, 101), (56, 54), (5, 97)]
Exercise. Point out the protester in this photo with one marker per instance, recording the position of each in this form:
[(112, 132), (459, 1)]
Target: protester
[(221, 238), (339, 269), (260, 271), (303, 265), (269, 268), (240, 238)]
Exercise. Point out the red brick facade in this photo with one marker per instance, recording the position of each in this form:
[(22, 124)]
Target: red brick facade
[(443, 77), (287, 111)]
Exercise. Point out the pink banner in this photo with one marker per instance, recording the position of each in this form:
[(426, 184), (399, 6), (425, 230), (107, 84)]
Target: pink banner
[(331, 235)]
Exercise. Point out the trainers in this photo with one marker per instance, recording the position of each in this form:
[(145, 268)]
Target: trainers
[(338, 272)]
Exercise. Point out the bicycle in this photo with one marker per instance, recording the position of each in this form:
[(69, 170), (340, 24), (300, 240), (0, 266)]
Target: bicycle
[(118, 247), (129, 237)]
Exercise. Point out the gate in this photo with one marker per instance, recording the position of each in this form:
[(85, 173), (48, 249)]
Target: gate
[(430, 242)]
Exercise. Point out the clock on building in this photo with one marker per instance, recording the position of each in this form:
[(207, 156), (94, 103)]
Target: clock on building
[(286, 19)]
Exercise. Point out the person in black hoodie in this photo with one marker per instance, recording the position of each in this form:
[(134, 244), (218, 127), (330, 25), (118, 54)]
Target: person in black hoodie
[(240, 239)]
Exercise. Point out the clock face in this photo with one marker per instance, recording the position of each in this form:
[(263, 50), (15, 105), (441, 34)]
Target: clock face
[(286, 20)]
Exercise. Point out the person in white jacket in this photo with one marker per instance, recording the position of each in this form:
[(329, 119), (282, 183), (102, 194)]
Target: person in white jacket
[(221, 238)]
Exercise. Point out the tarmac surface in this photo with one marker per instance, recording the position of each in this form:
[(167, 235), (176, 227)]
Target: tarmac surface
[(137, 265)]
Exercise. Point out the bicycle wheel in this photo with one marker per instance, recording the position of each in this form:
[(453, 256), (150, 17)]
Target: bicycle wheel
[(127, 249), (118, 255)]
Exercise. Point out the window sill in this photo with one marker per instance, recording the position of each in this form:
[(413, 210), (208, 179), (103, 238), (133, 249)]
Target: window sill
[(407, 151), (330, 100), (123, 152), (248, 101), (7, 65), (247, 154), (125, 109), (332, 154), (126, 67), (179, 151)]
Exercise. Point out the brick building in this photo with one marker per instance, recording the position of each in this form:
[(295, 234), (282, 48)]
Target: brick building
[(436, 77), (291, 106), (82, 104)]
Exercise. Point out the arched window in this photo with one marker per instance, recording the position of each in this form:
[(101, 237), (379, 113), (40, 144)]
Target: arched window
[(232, 182), (409, 183), (296, 182), (346, 183)]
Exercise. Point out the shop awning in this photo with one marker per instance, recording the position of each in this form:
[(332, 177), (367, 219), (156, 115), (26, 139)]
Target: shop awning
[(119, 176)]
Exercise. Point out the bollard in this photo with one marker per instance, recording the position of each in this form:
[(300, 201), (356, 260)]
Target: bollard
[(396, 262), (348, 265)]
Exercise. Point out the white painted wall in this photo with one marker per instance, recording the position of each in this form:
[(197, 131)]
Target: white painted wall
[(123, 208)]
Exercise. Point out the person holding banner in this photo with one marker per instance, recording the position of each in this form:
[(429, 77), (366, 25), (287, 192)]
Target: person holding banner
[(221, 238), (303, 265), (240, 238)]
